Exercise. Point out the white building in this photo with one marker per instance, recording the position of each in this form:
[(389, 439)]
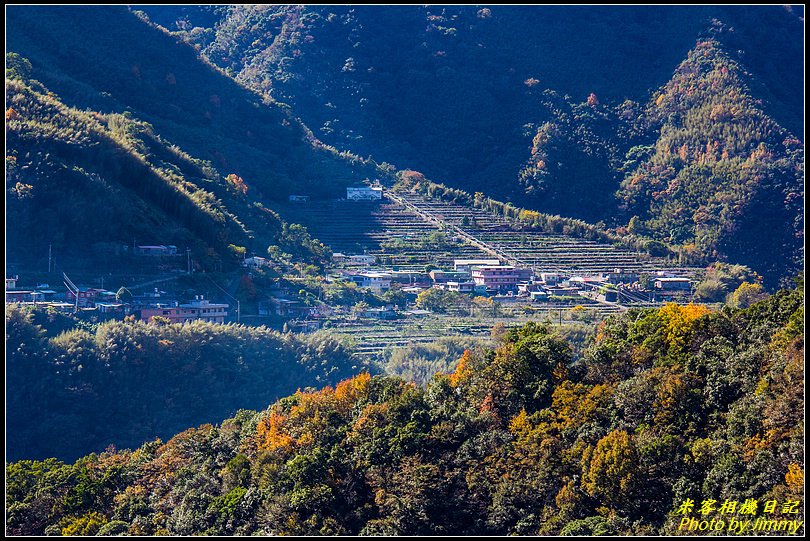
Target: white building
[(461, 287), (377, 281), (673, 284), (255, 262), (361, 260), (364, 193), (551, 278), (666, 274)]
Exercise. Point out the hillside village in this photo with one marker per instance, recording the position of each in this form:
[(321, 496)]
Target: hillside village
[(415, 260)]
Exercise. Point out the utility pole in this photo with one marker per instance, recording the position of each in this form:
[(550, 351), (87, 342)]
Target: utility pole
[(50, 257), (188, 259)]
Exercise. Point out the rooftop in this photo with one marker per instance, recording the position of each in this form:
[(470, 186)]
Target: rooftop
[(375, 274), (476, 262)]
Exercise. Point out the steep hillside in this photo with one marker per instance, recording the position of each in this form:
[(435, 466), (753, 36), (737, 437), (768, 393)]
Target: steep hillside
[(440, 90), (153, 124), (669, 405), (447, 90), (721, 177), (86, 179), (459, 93), (700, 167)]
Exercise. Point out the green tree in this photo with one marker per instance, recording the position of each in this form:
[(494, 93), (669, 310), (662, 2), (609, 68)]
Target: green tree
[(17, 67), (612, 471), (746, 295)]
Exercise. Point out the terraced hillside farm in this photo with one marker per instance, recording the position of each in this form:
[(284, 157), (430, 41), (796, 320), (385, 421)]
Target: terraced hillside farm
[(392, 229), (387, 229), (371, 338), (539, 250)]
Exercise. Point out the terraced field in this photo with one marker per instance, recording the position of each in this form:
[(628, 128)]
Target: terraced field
[(370, 338), (538, 250), (365, 227), (355, 227), (394, 230)]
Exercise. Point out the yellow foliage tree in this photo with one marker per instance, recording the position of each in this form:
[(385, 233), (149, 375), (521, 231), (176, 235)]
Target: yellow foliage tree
[(576, 404), (463, 370), (746, 295), (270, 433), (348, 392), (519, 425), (794, 478), (612, 467), (679, 320)]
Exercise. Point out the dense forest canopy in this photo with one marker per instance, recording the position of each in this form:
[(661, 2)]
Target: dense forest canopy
[(72, 391), (667, 405)]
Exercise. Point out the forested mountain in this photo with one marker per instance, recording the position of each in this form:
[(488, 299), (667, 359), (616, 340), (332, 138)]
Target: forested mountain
[(554, 108), (117, 130), (124, 382), (667, 405), (672, 130), (700, 166)]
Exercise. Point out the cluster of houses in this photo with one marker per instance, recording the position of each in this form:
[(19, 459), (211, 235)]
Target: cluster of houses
[(490, 277), (40, 295), (483, 277), (100, 301), (616, 286)]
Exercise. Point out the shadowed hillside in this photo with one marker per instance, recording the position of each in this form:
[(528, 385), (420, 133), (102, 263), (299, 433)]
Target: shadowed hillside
[(171, 117), (466, 94)]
